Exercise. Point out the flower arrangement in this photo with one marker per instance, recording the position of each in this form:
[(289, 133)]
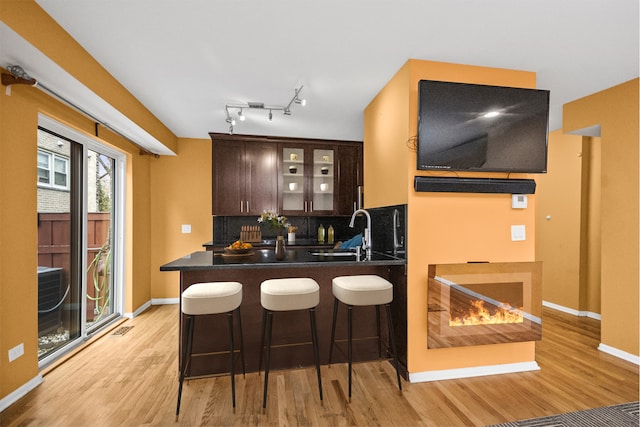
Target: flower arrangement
[(274, 221)]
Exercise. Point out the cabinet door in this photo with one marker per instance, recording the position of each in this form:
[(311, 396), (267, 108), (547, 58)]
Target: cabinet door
[(349, 178), (294, 195), (323, 182), (261, 178), (228, 180)]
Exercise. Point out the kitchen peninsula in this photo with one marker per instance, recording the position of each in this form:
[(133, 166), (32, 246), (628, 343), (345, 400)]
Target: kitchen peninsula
[(290, 328)]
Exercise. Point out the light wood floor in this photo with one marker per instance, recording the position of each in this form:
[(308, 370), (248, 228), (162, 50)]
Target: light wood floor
[(131, 380)]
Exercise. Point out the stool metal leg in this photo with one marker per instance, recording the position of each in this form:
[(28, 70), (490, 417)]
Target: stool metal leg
[(241, 341), (393, 344), (186, 360), (350, 342), (378, 331), (264, 325), (314, 340), (333, 328), (231, 357), (266, 365)]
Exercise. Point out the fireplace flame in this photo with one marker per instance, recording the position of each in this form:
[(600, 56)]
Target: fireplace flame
[(480, 315)]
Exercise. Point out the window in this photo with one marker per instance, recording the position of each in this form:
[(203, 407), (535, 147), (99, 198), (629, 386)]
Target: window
[(53, 164)]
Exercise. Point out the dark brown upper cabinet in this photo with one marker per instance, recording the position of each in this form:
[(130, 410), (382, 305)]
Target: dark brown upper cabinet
[(292, 176), (245, 180), (349, 177)]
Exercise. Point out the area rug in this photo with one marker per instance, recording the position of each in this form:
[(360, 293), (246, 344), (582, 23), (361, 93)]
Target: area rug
[(623, 415)]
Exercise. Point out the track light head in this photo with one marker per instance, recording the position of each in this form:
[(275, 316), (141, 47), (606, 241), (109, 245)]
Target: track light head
[(286, 110)]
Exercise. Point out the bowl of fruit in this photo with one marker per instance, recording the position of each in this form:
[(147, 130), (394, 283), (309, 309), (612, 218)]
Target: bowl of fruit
[(238, 248)]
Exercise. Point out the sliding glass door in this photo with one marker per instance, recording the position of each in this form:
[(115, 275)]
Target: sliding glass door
[(100, 221), (59, 258), (80, 237)]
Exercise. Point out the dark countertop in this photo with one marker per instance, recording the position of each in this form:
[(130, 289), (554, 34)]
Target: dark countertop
[(265, 258)]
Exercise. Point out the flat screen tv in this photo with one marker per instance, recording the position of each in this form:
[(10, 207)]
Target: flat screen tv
[(471, 127)]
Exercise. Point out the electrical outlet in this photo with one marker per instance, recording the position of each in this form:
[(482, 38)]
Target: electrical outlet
[(16, 352), (186, 228)]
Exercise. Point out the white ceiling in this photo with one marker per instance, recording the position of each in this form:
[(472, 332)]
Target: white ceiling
[(185, 59)]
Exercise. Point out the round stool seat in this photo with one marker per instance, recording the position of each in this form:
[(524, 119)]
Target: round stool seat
[(211, 298), (362, 290), (289, 294)]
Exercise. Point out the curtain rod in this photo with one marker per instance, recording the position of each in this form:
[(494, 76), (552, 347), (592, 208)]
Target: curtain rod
[(19, 76)]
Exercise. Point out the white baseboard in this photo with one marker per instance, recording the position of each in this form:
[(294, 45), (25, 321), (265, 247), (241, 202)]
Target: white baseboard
[(602, 347), (139, 310), (21, 391), (476, 371), (572, 311), (163, 301), (153, 301), (619, 354)]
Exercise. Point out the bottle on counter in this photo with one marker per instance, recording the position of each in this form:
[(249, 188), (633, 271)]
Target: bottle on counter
[(330, 234), (321, 234)]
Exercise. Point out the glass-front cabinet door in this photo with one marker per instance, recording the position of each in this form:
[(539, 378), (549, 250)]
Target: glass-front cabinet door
[(323, 181), (293, 171), (307, 180)]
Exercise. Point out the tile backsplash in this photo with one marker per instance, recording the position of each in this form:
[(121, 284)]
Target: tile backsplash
[(384, 220)]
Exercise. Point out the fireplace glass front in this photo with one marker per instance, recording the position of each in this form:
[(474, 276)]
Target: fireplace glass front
[(485, 303)]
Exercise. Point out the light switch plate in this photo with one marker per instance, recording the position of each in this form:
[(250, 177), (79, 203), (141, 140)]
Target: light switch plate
[(518, 233), (519, 201), (186, 228)]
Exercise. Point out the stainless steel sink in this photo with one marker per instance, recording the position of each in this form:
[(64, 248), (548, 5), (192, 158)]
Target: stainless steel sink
[(333, 253)]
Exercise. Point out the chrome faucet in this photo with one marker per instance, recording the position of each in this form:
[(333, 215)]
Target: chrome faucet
[(397, 243), (367, 243)]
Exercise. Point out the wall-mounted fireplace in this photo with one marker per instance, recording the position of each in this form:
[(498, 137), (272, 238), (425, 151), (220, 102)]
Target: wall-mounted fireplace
[(484, 303)]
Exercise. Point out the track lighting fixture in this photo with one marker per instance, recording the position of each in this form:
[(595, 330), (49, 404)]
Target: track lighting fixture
[(286, 110)]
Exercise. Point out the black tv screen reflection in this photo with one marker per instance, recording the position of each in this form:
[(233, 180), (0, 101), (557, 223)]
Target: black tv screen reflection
[(470, 127)]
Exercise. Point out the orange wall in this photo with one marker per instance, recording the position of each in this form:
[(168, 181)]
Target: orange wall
[(385, 153), (181, 194), (559, 197), (616, 110), (442, 227), (591, 255), (18, 139)]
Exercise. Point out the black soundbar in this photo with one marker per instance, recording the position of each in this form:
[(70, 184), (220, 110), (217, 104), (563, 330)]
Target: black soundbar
[(435, 184)]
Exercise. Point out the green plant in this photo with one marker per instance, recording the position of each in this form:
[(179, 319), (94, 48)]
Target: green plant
[(274, 221)]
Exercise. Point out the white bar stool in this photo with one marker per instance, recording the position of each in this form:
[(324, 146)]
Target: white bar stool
[(288, 295), (363, 290), (211, 298)]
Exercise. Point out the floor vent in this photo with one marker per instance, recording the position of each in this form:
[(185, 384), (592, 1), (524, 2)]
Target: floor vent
[(122, 330)]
